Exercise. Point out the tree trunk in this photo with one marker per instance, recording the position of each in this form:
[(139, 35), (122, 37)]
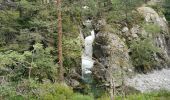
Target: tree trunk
[(61, 76), (111, 89)]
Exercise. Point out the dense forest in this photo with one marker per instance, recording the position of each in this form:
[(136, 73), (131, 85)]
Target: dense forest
[(84, 49)]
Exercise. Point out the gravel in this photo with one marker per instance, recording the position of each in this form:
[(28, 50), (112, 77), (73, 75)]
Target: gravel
[(156, 80)]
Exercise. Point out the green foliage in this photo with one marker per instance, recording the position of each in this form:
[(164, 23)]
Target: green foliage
[(31, 22), (166, 7), (9, 28), (7, 90), (104, 97), (33, 91), (81, 97), (60, 92), (71, 51), (122, 10), (55, 92), (143, 52), (40, 60), (158, 8), (157, 95), (152, 29)]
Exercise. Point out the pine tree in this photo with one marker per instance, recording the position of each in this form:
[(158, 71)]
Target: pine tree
[(61, 69), (166, 6)]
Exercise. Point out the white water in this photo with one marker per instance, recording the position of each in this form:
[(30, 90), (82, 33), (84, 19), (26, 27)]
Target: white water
[(87, 61)]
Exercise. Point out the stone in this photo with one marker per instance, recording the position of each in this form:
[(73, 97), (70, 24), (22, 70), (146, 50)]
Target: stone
[(114, 58), (125, 29), (156, 80), (134, 35), (135, 29), (74, 83), (151, 16)]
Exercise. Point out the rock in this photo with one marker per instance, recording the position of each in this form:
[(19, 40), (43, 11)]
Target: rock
[(151, 16), (85, 7), (150, 82), (135, 29), (125, 29), (73, 78), (46, 81), (102, 22), (99, 24), (112, 55), (134, 35), (74, 83), (3, 80)]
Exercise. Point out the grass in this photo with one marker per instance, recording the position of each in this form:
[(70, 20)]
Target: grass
[(159, 95)]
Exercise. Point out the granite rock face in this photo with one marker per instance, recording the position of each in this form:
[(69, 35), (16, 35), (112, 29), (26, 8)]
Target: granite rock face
[(162, 39), (112, 56), (151, 16)]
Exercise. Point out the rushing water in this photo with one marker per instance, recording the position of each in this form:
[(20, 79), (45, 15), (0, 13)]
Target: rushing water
[(87, 61)]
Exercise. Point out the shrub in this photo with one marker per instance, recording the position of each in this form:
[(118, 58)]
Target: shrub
[(16, 65), (54, 91), (152, 29), (81, 97), (143, 52)]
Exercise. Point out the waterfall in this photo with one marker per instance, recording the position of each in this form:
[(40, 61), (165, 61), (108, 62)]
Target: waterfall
[(87, 61)]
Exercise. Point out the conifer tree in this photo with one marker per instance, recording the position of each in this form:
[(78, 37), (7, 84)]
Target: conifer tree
[(61, 77)]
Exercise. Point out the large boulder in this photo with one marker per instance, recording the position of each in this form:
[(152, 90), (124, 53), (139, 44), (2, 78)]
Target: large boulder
[(112, 58), (151, 16), (162, 39)]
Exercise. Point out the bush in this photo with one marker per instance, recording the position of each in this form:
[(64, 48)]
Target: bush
[(16, 65), (143, 53), (152, 29), (49, 91), (33, 91), (81, 97), (157, 95), (60, 92)]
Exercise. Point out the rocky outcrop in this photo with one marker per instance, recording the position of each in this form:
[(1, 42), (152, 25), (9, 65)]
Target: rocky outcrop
[(151, 16), (160, 38), (111, 55), (158, 79)]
